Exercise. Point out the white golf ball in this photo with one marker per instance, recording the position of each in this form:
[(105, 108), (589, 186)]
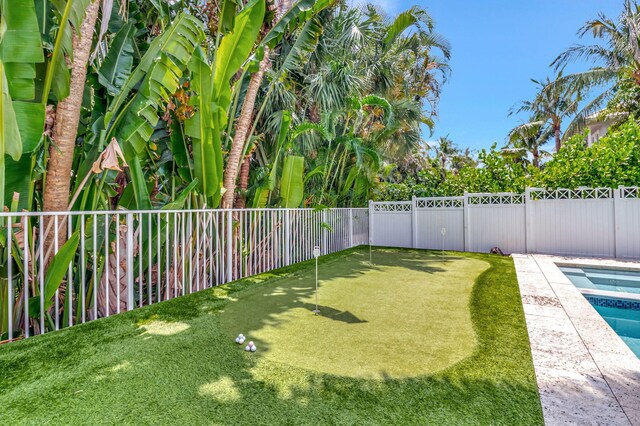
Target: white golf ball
[(253, 349), (241, 336), (237, 340), (251, 343), (247, 348)]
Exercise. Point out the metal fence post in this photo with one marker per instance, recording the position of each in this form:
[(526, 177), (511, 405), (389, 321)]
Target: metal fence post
[(350, 228), (229, 259), (325, 233), (130, 279), (287, 237)]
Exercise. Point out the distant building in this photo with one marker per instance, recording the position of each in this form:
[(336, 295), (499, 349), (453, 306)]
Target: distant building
[(598, 124)]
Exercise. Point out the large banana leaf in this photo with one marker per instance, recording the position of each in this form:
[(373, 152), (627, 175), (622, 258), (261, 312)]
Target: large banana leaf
[(55, 274), (21, 47), (234, 50), (291, 184), (227, 16), (20, 50), (117, 65), (184, 31), (200, 129), (285, 124)]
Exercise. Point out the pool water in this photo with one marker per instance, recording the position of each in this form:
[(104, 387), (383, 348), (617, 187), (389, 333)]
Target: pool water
[(604, 279), (623, 316)]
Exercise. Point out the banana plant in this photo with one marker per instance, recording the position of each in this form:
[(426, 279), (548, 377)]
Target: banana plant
[(292, 182), (22, 119), (133, 113)]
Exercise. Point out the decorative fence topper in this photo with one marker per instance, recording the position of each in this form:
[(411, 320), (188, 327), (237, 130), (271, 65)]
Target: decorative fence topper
[(61, 269), (579, 222)]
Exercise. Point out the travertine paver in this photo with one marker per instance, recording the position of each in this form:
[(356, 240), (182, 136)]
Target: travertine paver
[(585, 372)]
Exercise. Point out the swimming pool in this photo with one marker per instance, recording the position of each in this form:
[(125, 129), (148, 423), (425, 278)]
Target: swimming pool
[(603, 279), (623, 316)]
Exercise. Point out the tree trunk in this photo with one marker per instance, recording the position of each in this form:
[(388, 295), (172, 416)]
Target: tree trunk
[(241, 197), (245, 121), (558, 139), (536, 157), (243, 125), (58, 178)]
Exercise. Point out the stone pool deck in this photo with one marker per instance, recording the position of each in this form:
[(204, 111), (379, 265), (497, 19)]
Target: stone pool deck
[(585, 373)]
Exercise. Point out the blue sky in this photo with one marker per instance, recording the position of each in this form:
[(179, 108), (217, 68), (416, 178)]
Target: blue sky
[(497, 47)]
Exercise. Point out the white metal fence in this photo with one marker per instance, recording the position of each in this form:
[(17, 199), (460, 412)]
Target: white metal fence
[(600, 222), (116, 261)]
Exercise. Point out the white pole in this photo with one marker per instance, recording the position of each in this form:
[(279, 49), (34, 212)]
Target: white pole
[(443, 231), (316, 254)]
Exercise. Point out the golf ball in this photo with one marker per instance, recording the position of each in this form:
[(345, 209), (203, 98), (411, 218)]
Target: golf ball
[(247, 348), (241, 336), (251, 343), (241, 341), (253, 349), (237, 340)]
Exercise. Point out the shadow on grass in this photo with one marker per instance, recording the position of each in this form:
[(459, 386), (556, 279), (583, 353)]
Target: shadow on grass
[(116, 371), (335, 314)]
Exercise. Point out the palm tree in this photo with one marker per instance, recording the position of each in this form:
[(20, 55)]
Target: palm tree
[(555, 101), (528, 138), (445, 150), (616, 55)]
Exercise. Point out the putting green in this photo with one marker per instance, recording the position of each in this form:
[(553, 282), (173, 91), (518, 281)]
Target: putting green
[(407, 315)]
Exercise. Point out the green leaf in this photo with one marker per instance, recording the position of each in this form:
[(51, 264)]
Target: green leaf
[(232, 53), (70, 15), (161, 75), (291, 185), (206, 150), (304, 45), (301, 11), (10, 140), (285, 124), (227, 16), (21, 47), (55, 274), (117, 65), (178, 203)]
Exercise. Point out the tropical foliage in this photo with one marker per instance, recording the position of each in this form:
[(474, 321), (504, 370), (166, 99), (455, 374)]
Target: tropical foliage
[(131, 104), (612, 161)]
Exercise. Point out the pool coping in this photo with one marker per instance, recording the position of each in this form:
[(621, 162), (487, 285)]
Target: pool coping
[(585, 373)]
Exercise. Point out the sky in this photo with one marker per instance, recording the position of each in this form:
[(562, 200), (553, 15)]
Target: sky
[(497, 47)]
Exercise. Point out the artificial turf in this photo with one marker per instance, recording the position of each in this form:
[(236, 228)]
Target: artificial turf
[(410, 339)]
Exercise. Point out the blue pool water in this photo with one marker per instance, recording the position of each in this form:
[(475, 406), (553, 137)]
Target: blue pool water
[(623, 316), (604, 279)]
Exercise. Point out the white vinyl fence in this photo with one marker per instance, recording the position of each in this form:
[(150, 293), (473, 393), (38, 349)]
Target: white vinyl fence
[(116, 261), (599, 222)]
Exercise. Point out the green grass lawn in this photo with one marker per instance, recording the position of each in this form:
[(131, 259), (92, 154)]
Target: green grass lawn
[(411, 339)]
